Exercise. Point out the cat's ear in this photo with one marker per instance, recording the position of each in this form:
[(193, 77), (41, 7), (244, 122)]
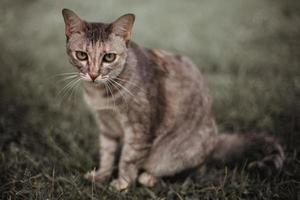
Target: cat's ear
[(73, 23), (123, 26)]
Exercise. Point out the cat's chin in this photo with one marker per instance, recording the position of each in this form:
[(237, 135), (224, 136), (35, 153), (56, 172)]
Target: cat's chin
[(99, 83), (95, 83)]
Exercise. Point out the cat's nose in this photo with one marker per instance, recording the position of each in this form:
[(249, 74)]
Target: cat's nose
[(93, 76)]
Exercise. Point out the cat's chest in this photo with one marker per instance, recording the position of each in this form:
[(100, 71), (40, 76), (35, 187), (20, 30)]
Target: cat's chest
[(98, 100), (111, 123)]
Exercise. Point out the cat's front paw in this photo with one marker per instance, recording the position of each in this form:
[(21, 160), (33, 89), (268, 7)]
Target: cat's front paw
[(97, 176), (120, 184), (147, 179)]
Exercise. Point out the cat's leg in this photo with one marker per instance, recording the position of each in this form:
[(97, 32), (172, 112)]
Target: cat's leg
[(108, 148), (110, 133), (135, 148)]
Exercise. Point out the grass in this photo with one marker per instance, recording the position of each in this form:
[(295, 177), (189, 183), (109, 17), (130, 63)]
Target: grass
[(248, 51)]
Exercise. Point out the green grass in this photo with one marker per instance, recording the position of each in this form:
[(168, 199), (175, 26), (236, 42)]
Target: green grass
[(249, 52)]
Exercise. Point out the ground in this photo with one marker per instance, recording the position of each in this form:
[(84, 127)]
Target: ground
[(249, 52)]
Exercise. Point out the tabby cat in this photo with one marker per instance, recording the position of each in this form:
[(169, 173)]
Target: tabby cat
[(154, 105)]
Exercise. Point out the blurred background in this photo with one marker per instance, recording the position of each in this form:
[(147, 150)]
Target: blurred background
[(249, 52)]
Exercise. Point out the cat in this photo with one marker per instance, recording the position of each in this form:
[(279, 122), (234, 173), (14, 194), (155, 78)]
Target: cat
[(155, 105)]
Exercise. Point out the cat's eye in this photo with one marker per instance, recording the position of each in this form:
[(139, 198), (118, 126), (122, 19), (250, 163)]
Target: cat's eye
[(80, 55), (109, 57)]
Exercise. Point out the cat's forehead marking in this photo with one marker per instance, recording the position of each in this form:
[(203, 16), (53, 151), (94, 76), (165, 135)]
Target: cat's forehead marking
[(97, 31), (95, 49), (112, 44), (99, 36)]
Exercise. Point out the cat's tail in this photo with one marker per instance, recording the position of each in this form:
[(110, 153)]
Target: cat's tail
[(260, 151)]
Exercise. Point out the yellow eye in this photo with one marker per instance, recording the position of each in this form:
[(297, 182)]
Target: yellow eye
[(109, 57), (80, 55)]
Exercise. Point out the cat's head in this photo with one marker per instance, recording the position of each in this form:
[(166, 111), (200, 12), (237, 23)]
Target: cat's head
[(97, 50)]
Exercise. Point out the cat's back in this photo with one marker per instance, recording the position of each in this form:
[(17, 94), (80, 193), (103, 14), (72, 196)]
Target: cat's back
[(180, 73), (187, 100), (175, 64)]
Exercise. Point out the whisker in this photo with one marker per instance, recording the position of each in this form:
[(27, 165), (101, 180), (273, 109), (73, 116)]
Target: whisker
[(70, 82), (66, 73), (72, 88), (123, 87), (120, 92), (106, 102), (74, 94), (66, 88), (67, 91), (111, 95), (131, 83), (77, 93), (63, 74), (68, 77)]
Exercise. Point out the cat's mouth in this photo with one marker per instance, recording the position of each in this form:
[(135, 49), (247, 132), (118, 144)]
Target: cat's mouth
[(101, 79)]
